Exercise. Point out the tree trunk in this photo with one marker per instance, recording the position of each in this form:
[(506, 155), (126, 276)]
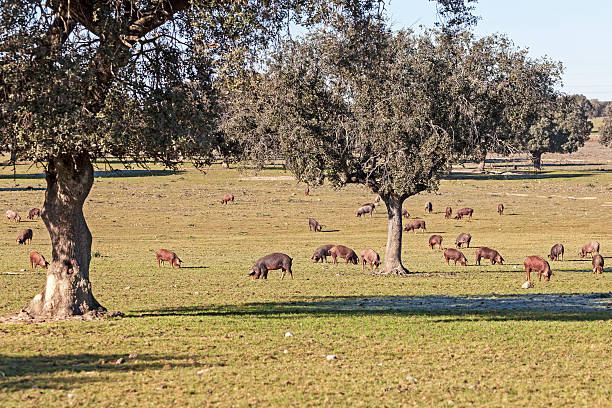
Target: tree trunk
[(536, 159), (67, 291), (393, 253)]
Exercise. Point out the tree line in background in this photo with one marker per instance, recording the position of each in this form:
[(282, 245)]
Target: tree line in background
[(351, 101)]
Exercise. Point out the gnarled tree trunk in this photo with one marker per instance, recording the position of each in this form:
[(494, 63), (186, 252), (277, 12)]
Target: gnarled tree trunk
[(67, 290), (393, 253), (536, 159)]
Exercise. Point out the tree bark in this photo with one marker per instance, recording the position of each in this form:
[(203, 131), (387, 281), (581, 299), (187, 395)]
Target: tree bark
[(393, 252), (536, 159), (67, 291)]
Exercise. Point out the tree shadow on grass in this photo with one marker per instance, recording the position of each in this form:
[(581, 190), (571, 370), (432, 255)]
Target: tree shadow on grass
[(29, 188), (24, 372), (491, 307), (98, 173), (535, 176)]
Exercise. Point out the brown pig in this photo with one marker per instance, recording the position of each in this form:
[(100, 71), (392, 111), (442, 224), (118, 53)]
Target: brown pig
[(25, 237), (448, 213), (34, 212), (405, 213), (13, 216), (589, 248), (537, 264), (271, 262), (415, 225), (500, 209), (321, 253), (369, 255), (307, 191), (340, 251), (367, 208), (428, 207), (451, 253), (164, 255), (488, 253), (464, 211), (435, 240), (227, 198), (463, 238), (598, 264), (37, 259), (313, 225), (556, 251)]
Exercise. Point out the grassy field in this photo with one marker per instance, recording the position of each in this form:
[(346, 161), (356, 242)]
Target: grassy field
[(206, 334)]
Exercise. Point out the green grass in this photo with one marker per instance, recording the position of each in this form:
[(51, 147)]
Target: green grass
[(207, 334)]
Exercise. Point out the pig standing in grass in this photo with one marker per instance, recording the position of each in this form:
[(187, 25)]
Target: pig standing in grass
[(405, 213), (227, 198), (428, 207), (13, 216), (451, 253), (367, 208), (37, 259), (448, 213), (313, 225), (435, 240), (340, 251), (589, 248), (500, 209), (164, 255), (25, 237), (556, 251), (488, 253), (415, 225), (537, 264), (321, 253), (271, 262), (463, 239), (369, 255), (464, 211), (34, 212), (598, 264)]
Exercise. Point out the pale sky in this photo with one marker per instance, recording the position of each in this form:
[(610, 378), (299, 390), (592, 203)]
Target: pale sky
[(577, 33)]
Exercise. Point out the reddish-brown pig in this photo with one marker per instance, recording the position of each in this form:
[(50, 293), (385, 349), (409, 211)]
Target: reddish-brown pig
[(537, 264), (435, 240), (415, 225), (340, 251), (464, 211), (488, 253), (37, 259), (500, 209), (34, 212), (556, 251), (25, 237), (463, 239), (313, 225), (451, 253), (598, 264), (448, 213), (164, 255), (369, 255), (589, 248), (227, 198), (271, 262)]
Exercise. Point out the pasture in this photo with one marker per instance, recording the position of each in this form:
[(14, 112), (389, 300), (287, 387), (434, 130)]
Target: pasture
[(208, 335)]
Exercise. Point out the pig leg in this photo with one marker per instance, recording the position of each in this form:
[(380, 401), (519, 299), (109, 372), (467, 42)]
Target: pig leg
[(290, 273), (283, 273), (528, 270)]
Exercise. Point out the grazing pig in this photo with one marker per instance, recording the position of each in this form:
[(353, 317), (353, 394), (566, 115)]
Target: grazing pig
[(37, 259), (415, 225), (463, 239), (435, 240), (307, 191), (340, 251), (226, 198), (488, 253), (405, 213), (448, 213), (555, 251), (464, 211), (451, 253), (598, 264), (269, 263), (535, 263), (313, 225), (367, 208), (163, 255), (589, 248), (500, 209), (369, 255), (428, 207), (13, 216), (34, 212), (321, 253), (377, 199), (25, 237)]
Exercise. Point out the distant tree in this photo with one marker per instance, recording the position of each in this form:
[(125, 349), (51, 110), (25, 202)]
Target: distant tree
[(562, 127), (83, 79), (605, 131)]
